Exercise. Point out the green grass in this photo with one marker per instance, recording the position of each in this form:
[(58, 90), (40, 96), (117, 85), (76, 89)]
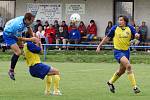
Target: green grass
[(85, 57), (79, 81)]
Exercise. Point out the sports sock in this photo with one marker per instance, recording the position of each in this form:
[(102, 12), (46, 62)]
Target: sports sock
[(48, 83), (114, 78), (56, 83), (132, 79), (14, 60)]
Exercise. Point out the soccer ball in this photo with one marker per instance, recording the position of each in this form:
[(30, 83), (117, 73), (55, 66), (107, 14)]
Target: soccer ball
[(75, 17)]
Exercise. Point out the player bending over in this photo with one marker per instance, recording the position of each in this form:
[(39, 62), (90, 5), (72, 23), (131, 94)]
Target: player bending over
[(121, 35), (40, 70)]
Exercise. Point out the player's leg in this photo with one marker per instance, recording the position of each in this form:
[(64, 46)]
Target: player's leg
[(91, 37), (56, 73), (48, 84), (14, 59), (115, 77), (64, 43), (125, 62), (117, 74), (57, 42)]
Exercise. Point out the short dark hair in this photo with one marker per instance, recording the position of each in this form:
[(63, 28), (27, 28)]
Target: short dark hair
[(126, 19), (92, 21), (28, 16)]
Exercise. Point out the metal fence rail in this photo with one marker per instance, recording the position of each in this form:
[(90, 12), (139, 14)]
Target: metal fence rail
[(83, 45)]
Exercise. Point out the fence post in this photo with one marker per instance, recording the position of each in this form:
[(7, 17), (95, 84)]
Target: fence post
[(45, 52)]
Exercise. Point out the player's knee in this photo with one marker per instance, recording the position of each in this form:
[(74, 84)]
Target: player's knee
[(128, 68), (56, 71), (18, 52)]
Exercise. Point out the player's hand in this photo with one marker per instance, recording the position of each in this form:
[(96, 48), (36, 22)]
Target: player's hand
[(98, 49), (35, 39)]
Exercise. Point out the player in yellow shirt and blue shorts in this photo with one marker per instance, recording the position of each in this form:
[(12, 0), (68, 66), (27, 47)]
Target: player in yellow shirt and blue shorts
[(121, 34), (40, 70)]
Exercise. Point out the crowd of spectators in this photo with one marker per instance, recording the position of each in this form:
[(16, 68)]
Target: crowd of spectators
[(61, 33)]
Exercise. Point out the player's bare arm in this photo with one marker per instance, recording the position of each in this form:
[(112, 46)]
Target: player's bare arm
[(105, 39)]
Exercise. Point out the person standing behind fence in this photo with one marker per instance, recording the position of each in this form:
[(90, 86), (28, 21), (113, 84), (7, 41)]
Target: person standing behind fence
[(109, 26), (91, 30), (56, 27), (144, 30)]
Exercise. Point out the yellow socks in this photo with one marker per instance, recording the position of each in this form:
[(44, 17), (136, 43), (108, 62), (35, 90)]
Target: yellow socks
[(132, 79), (48, 84), (56, 83), (114, 78)]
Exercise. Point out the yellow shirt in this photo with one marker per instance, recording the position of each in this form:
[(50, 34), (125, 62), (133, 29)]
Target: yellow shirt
[(31, 58), (122, 36)]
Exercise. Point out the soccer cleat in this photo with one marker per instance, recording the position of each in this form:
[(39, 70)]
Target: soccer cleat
[(111, 87), (136, 90), (11, 74), (57, 93)]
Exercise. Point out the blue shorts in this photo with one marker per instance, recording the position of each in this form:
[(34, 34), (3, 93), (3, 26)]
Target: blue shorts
[(9, 40), (118, 54), (39, 70)]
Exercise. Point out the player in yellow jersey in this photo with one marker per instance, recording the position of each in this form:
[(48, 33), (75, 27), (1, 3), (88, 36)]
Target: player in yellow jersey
[(121, 35), (40, 70)]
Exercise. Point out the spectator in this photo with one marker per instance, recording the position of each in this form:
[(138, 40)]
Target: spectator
[(144, 30), (74, 35), (38, 23), (133, 23), (71, 26), (109, 26), (50, 34), (91, 30), (56, 27), (46, 25), (63, 37), (82, 29), (40, 34), (136, 42)]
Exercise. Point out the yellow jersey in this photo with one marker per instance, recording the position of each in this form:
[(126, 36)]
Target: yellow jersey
[(122, 36), (31, 54)]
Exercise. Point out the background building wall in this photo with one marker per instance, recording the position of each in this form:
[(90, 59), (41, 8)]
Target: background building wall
[(99, 10)]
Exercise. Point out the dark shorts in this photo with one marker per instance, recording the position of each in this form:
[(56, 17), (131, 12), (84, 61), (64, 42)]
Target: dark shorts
[(118, 54), (9, 40), (39, 70)]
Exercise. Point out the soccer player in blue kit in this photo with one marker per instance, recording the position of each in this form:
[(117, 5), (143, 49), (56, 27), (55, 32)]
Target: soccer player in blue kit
[(12, 28)]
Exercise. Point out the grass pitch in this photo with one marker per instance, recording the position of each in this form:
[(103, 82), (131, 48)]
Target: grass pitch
[(79, 81)]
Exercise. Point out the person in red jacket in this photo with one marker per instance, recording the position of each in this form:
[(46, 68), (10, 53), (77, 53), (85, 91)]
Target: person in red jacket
[(50, 34), (91, 30), (82, 29)]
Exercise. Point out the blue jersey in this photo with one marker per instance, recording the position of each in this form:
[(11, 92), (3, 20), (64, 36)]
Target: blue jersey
[(15, 26)]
